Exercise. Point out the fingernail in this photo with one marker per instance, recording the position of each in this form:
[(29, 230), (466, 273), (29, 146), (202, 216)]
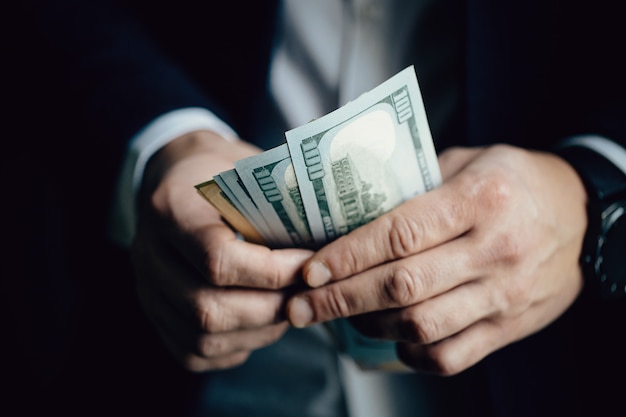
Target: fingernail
[(300, 312), (317, 274)]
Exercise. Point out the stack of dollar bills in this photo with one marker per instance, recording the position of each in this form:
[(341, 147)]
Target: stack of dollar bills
[(335, 173)]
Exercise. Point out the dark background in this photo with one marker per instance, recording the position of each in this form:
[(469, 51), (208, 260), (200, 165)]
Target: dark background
[(72, 336)]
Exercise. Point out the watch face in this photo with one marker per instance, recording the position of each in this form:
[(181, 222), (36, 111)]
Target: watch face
[(613, 252)]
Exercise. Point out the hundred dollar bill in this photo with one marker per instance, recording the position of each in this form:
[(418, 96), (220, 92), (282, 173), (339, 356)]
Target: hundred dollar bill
[(214, 195), (271, 182), (365, 158), (230, 183)]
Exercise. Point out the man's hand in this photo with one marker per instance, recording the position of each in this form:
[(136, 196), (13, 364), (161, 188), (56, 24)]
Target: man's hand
[(489, 257), (212, 297)]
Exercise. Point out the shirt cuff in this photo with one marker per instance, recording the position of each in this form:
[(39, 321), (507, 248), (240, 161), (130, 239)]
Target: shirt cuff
[(143, 145), (601, 145)]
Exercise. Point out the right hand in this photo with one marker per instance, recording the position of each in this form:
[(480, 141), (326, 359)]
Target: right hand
[(212, 297)]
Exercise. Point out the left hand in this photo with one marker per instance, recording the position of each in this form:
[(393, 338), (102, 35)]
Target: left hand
[(487, 258), (213, 298)]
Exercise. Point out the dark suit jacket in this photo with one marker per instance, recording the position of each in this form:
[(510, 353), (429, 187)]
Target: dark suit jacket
[(86, 75)]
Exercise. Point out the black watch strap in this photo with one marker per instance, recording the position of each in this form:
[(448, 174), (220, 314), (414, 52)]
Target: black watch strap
[(605, 184), (602, 179)]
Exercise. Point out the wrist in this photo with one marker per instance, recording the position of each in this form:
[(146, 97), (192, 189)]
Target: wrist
[(190, 144), (142, 146), (602, 256)]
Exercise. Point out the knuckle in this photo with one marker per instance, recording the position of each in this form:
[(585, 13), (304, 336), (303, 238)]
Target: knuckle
[(508, 249), (504, 250), (421, 328), (212, 345), (509, 297), (404, 235), (442, 361), (495, 190), (159, 200), (275, 279), (513, 297), (352, 259), (214, 261), (338, 302), (212, 316), (401, 287)]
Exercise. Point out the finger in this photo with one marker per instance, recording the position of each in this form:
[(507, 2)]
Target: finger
[(181, 340), (214, 345), (220, 310), (244, 264), (456, 353), (223, 309), (212, 310), (221, 344), (217, 310), (417, 225), (431, 320), (226, 350), (453, 160), (225, 260), (195, 363), (396, 284), (466, 348), (171, 281), (192, 346)]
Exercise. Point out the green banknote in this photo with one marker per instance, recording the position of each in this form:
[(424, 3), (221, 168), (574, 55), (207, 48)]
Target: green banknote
[(365, 158)]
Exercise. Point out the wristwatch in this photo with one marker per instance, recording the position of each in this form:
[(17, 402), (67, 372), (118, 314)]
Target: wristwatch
[(603, 257)]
